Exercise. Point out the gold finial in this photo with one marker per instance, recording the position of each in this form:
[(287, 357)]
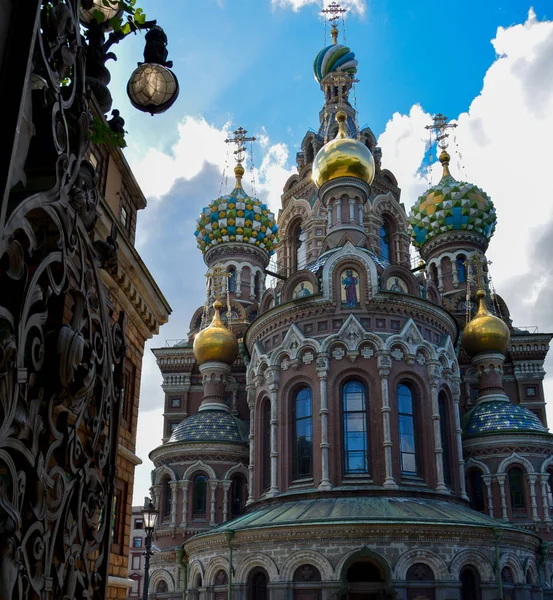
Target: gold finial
[(334, 33), (239, 173), (444, 159), (341, 117)]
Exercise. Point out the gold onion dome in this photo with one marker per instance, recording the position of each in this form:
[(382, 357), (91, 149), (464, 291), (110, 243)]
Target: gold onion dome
[(216, 342), (343, 157), (485, 333)]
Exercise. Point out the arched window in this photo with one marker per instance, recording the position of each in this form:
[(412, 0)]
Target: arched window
[(303, 434), (356, 443), (385, 242), (419, 572), (516, 490), (266, 443), (444, 430), (237, 495), (232, 280), (162, 587), (221, 578), (257, 285), (434, 273), (306, 573), (257, 585), (166, 499), (199, 496), (470, 584), (507, 576), (461, 268), (407, 441), (300, 247), (475, 489)]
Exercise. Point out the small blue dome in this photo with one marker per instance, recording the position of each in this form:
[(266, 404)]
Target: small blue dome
[(497, 416), (211, 426)]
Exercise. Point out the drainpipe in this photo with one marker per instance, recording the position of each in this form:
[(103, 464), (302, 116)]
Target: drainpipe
[(498, 533), (182, 561), (229, 534)]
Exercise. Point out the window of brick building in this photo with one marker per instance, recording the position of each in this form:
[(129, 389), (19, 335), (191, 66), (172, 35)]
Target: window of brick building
[(137, 542), (303, 434), (119, 516), (355, 428), (407, 441), (199, 502), (127, 394), (138, 524), (531, 391), (136, 561), (175, 402)]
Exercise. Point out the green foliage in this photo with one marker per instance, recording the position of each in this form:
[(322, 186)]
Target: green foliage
[(129, 18), (101, 133)]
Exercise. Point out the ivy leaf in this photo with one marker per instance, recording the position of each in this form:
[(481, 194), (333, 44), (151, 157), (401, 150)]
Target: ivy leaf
[(126, 29), (140, 16), (98, 15)]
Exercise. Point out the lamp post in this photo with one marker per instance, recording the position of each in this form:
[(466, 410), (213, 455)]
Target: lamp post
[(149, 514)]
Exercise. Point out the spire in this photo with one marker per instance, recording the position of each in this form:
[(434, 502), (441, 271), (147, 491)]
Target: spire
[(334, 33)]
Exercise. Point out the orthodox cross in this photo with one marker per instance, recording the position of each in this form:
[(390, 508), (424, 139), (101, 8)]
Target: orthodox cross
[(239, 139), (440, 127), (216, 281), (335, 11)]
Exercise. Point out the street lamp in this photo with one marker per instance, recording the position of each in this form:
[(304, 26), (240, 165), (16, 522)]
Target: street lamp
[(149, 514)]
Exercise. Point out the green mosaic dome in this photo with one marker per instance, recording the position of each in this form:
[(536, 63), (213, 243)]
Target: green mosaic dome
[(211, 426), (500, 416), (451, 206), (237, 218)]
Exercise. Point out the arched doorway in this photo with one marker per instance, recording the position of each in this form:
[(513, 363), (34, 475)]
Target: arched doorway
[(470, 584), (258, 582), (366, 580)]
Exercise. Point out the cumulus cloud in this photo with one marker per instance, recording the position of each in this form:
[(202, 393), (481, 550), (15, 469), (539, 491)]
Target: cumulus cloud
[(505, 149), (357, 6)]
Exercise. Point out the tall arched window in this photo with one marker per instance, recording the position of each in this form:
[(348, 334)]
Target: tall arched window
[(300, 243), (303, 434), (475, 489), (258, 582), (356, 443), (199, 500), (266, 444), (461, 268), (257, 285), (444, 430), (407, 441), (232, 280), (237, 495), (516, 490), (166, 499), (385, 242), (470, 584)]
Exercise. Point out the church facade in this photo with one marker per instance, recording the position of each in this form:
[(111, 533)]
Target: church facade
[(362, 427)]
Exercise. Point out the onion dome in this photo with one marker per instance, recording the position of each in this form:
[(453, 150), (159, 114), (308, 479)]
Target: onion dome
[(335, 57), (237, 218), (343, 157), (451, 206), (484, 332), (500, 416), (216, 342), (211, 426)]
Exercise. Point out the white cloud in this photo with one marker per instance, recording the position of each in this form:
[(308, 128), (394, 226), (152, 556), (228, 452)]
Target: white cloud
[(504, 140), (357, 6)]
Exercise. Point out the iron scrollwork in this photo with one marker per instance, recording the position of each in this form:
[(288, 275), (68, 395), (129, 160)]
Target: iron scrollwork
[(61, 343)]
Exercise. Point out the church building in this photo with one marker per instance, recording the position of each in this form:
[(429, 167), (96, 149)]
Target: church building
[(342, 422)]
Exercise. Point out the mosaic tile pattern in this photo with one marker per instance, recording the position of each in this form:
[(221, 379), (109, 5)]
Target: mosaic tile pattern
[(237, 218), (498, 416), (210, 426), (451, 206)]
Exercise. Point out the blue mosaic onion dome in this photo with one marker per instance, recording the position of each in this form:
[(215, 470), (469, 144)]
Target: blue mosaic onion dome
[(451, 206), (500, 416), (335, 57), (237, 218), (211, 426)]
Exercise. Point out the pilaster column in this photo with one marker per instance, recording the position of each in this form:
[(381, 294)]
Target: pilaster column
[(338, 211), (455, 273), (384, 364), (532, 478), (322, 366), (174, 490), (184, 516), (434, 374), (501, 480), (272, 376), (156, 495), (352, 210), (456, 393), (440, 277), (487, 479), (250, 389), (329, 214), (360, 211), (213, 486), (252, 285), (226, 487), (238, 283), (544, 483)]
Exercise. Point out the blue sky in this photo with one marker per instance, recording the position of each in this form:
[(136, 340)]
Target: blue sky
[(249, 62)]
